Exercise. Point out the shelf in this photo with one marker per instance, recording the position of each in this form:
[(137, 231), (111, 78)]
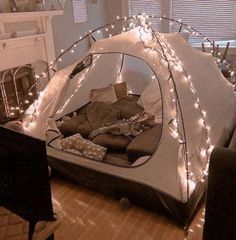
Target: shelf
[(16, 39), (24, 15)]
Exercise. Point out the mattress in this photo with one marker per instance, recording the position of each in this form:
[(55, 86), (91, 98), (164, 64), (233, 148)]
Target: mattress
[(91, 174)]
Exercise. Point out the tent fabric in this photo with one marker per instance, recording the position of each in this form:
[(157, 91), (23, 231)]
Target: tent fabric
[(166, 168)]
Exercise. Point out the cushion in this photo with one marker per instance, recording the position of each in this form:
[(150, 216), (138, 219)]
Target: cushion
[(100, 114), (106, 95), (118, 142), (120, 90), (185, 35), (145, 143), (151, 101), (128, 106), (86, 147), (73, 151), (84, 129), (70, 126)]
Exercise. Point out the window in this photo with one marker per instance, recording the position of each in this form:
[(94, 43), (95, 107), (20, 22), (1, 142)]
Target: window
[(80, 11), (214, 18), (150, 7)]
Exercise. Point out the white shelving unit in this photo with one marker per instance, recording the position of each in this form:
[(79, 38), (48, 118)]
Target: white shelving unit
[(24, 15), (26, 37)]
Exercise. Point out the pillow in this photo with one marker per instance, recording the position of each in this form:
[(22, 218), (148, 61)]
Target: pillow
[(151, 101), (145, 143), (185, 35), (120, 90), (70, 126), (73, 151), (118, 142), (84, 129), (128, 106), (106, 95), (86, 147)]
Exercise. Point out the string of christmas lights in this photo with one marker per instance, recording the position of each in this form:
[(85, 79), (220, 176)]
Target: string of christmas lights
[(107, 28), (178, 66), (171, 61)]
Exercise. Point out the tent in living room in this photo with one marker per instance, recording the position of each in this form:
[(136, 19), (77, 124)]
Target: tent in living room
[(196, 107)]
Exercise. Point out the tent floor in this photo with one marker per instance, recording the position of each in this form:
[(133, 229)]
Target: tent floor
[(138, 194), (120, 159)]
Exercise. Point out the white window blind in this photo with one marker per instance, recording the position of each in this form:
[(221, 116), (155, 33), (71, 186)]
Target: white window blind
[(214, 18), (80, 11), (150, 7)]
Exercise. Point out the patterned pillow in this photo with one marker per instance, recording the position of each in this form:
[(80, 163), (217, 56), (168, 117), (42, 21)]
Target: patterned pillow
[(73, 151), (86, 147)]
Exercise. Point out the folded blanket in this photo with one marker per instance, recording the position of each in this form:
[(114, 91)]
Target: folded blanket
[(131, 127), (101, 114)]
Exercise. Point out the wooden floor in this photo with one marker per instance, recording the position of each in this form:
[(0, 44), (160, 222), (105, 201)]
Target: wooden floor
[(87, 215)]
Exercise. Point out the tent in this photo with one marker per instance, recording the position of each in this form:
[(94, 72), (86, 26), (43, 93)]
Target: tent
[(198, 113)]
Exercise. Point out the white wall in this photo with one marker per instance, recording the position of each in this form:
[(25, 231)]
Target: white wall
[(66, 31)]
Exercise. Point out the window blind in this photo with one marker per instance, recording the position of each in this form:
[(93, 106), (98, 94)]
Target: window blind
[(214, 18), (150, 7), (80, 11)]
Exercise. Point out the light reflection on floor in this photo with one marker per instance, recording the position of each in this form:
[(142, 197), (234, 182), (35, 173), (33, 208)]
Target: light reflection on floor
[(88, 215)]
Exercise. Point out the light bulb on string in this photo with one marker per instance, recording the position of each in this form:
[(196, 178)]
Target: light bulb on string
[(180, 68)]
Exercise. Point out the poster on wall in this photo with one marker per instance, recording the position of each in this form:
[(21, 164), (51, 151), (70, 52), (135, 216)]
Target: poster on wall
[(80, 11)]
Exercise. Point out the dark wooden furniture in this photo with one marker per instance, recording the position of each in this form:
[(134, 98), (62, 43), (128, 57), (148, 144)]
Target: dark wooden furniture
[(24, 178), (220, 219)]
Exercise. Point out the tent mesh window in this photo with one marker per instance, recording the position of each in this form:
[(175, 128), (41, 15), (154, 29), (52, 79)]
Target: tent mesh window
[(118, 101)]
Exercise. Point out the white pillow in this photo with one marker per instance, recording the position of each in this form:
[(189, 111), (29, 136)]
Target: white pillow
[(185, 35), (151, 100)]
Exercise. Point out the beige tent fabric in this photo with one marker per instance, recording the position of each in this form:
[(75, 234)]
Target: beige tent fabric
[(166, 169)]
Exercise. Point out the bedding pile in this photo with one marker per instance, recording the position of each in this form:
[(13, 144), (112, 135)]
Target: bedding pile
[(114, 122)]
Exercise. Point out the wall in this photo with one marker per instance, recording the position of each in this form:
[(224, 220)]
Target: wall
[(66, 31), (113, 9)]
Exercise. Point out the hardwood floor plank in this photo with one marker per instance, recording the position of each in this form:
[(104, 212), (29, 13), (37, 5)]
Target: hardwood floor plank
[(88, 215)]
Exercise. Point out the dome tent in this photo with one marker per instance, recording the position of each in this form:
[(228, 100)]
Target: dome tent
[(195, 100)]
